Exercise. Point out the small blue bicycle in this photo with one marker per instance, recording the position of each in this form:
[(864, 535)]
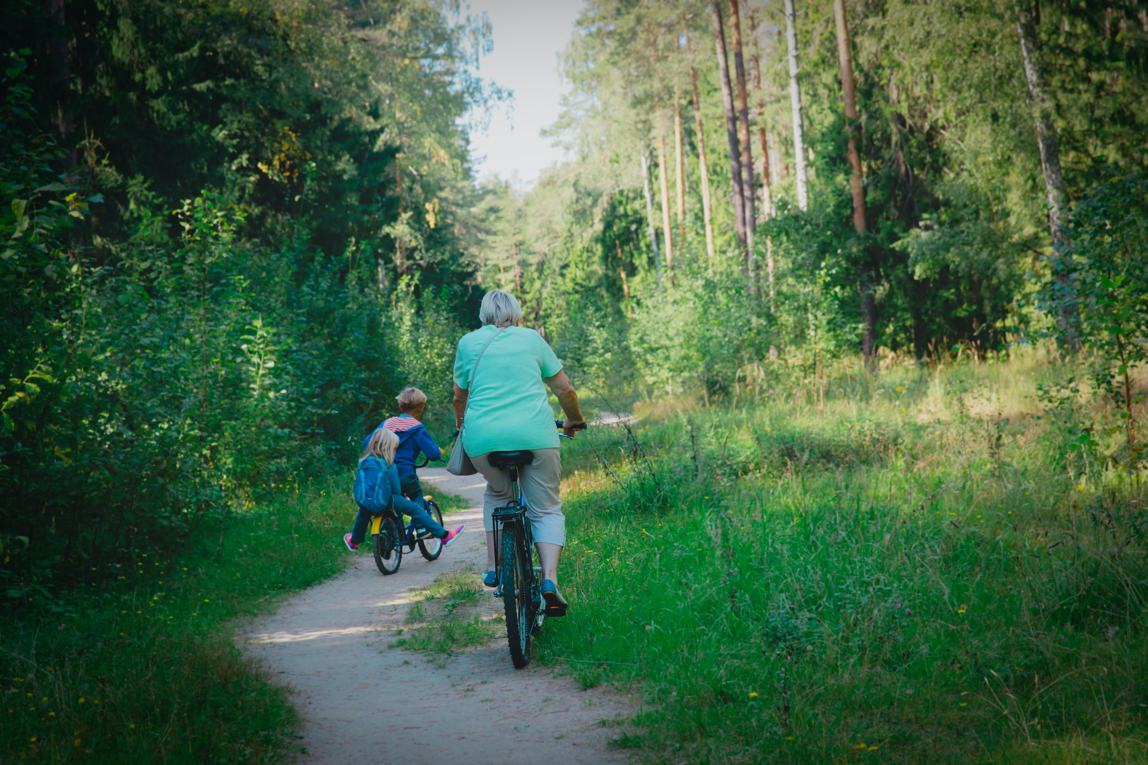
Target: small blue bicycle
[(392, 533)]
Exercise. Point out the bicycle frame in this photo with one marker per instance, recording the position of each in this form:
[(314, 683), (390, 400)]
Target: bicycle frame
[(527, 618)]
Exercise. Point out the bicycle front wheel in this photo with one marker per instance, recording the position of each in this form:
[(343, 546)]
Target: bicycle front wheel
[(388, 546), (516, 594), (431, 547)]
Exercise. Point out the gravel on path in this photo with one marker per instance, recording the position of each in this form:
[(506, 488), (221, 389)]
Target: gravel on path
[(363, 701)]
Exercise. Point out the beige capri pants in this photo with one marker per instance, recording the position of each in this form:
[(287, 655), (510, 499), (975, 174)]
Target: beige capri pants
[(540, 480)]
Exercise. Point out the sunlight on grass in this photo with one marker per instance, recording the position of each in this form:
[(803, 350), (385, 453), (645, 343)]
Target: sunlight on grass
[(446, 617), (921, 567)]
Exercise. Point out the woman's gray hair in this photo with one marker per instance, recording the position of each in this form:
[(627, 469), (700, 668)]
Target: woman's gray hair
[(500, 309)]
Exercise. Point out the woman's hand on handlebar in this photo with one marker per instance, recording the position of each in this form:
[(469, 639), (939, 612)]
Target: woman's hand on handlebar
[(569, 428)]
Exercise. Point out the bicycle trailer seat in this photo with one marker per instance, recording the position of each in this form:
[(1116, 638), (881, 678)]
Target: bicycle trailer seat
[(503, 460)]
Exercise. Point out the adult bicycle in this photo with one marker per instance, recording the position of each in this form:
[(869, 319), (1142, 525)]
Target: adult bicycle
[(391, 532), (516, 559)]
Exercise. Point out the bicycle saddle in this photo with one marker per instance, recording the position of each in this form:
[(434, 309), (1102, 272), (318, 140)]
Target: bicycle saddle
[(503, 460)]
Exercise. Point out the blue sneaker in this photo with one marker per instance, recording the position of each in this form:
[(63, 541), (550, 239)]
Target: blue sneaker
[(555, 604), (490, 578)]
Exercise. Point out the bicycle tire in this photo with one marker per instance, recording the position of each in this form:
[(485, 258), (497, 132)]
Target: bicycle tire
[(388, 548), (431, 547), (515, 596)]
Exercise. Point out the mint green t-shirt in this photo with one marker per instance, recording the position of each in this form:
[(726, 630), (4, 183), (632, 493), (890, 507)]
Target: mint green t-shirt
[(507, 406)]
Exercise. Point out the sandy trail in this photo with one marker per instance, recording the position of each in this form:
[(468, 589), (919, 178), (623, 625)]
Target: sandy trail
[(363, 701)]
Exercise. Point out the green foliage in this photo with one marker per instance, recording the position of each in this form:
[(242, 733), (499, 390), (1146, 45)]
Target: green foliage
[(954, 192), (141, 668), (914, 570), (200, 285), (1109, 254), (447, 616)]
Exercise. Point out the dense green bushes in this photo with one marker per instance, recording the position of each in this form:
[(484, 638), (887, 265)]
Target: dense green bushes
[(212, 281)]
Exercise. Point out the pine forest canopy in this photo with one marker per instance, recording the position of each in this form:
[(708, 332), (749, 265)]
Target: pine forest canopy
[(234, 229)]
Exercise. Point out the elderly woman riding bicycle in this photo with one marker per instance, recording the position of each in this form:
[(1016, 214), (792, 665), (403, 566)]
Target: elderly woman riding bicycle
[(501, 373)]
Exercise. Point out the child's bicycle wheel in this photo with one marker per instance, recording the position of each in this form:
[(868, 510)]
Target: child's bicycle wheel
[(431, 547), (388, 550)]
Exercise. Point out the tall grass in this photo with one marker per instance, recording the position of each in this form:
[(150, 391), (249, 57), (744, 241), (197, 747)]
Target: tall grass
[(143, 669), (905, 568)]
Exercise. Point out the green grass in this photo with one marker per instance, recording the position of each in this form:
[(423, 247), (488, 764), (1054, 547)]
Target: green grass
[(916, 567), (143, 669), (448, 503), (446, 618)]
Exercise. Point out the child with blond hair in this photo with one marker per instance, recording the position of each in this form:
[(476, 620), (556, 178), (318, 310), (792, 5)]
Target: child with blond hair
[(378, 479), (413, 439)]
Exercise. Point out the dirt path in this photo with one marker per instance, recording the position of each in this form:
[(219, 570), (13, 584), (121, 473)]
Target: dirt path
[(331, 645)]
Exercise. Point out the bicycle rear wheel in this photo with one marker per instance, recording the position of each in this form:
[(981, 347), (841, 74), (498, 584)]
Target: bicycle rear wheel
[(388, 547), (431, 547), (516, 595)]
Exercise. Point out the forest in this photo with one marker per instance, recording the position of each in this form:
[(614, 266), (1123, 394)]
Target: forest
[(871, 274)]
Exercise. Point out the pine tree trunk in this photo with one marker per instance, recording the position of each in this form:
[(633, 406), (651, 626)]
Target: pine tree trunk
[(703, 170), (58, 65), (852, 126), (400, 244), (856, 181), (730, 126), (745, 146), (795, 107), (664, 184), (680, 169), (517, 271), (1055, 191), (763, 140), (650, 217)]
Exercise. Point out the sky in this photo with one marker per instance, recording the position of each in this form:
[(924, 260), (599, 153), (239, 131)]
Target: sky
[(528, 36)]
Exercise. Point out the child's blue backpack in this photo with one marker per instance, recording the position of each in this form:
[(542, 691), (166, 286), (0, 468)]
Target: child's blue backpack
[(372, 488)]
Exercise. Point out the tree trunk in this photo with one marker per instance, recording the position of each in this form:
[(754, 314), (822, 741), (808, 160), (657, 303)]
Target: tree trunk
[(795, 107), (730, 127), (1054, 187), (622, 272), (58, 64), (679, 169), (703, 170), (517, 271), (849, 92), (745, 146), (400, 243), (763, 140), (667, 235), (856, 182), (650, 217)]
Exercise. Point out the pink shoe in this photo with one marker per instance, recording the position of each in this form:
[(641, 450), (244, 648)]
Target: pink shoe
[(347, 541), (450, 535)]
